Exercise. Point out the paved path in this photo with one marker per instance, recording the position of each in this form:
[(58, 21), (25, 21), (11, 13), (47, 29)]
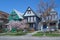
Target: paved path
[(27, 38), (30, 34)]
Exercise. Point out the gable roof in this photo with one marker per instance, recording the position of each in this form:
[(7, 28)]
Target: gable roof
[(19, 14), (3, 14), (15, 15), (31, 14), (53, 11)]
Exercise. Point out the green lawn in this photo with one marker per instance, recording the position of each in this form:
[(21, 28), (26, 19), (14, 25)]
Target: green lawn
[(13, 33), (38, 34), (47, 34), (52, 35)]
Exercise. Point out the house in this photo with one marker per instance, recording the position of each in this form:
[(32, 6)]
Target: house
[(15, 19), (32, 18), (50, 20), (3, 19)]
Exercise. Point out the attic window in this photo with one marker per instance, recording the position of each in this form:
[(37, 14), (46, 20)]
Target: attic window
[(29, 12), (13, 15)]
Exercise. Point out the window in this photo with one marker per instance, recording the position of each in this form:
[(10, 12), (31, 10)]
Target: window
[(13, 14), (29, 12), (29, 19), (52, 24), (55, 16), (49, 17), (43, 19), (35, 19)]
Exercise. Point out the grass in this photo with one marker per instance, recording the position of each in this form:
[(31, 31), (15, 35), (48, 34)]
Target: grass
[(13, 33), (19, 33), (53, 35), (38, 34), (16, 34), (47, 34)]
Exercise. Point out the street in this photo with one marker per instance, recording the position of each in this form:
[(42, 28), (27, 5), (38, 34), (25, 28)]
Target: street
[(27, 38)]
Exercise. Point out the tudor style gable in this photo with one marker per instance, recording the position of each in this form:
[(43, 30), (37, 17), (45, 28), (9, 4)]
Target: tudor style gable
[(29, 12), (30, 15)]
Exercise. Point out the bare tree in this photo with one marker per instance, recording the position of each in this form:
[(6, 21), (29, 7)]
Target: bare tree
[(45, 6)]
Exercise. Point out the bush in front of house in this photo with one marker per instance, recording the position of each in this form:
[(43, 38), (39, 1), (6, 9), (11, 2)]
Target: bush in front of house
[(13, 34)]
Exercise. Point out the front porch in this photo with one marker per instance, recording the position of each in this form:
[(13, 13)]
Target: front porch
[(51, 26)]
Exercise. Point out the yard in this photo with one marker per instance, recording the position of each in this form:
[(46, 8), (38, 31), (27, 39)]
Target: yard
[(53, 34), (13, 33)]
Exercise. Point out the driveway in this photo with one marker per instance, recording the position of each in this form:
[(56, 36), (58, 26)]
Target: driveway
[(27, 38)]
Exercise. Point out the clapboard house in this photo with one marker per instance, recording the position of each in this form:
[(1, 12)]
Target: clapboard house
[(32, 18), (3, 19), (49, 20)]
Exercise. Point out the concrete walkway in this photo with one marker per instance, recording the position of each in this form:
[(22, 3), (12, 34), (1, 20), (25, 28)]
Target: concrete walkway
[(30, 34)]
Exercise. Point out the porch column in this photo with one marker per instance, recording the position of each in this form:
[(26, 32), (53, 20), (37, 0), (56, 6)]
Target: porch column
[(41, 27), (57, 25), (48, 27), (57, 21)]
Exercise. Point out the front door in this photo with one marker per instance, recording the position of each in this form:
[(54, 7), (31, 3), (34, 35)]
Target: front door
[(59, 26), (32, 26), (44, 26)]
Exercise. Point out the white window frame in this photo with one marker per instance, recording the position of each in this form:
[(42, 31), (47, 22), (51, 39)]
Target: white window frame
[(28, 19), (56, 16), (35, 19), (31, 19), (50, 17)]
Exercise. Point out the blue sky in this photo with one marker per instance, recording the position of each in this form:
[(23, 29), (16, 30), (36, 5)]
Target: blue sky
[(21, 5)]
